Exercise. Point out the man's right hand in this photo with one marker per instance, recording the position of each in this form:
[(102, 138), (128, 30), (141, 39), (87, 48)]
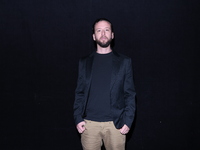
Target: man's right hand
[(81, 127)]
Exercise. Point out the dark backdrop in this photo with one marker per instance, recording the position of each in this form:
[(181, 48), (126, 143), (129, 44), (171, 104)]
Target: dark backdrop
[(41, 42)]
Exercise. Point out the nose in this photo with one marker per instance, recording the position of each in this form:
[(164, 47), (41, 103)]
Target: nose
[(103, 32)]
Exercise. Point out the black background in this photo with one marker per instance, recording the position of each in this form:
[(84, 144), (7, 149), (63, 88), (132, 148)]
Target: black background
[(41, 42)]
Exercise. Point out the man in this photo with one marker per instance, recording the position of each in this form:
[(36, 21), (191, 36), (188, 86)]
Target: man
[(104, 106)]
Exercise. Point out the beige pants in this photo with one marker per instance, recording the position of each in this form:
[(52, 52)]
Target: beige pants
[(97, 133)]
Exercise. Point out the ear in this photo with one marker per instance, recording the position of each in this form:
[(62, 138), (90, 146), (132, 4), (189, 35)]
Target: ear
[(112, 35), (93, 37)]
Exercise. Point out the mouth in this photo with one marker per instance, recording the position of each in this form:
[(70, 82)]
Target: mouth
[(103, 38)]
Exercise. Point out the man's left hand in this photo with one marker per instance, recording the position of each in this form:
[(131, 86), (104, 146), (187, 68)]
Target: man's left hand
[(124, 130)]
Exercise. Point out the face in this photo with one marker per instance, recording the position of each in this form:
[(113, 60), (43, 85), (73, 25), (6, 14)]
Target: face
[(103, 34)]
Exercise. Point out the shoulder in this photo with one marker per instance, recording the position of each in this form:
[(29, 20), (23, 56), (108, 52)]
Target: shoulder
[(87, 57), (121, 56)]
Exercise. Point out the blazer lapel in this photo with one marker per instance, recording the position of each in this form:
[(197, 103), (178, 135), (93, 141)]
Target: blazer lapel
[(115, 69), (89, 64)]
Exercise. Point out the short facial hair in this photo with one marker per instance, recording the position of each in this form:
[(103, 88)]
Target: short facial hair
[(104, 45)]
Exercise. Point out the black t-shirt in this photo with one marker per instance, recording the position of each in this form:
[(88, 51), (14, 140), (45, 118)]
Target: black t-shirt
[(98, 106)]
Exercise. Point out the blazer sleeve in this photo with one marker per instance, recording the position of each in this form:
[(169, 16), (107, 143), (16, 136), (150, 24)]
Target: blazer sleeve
[(129, 95), (79, 95)]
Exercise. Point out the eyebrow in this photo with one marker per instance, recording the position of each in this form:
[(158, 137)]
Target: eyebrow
[(104, 28)]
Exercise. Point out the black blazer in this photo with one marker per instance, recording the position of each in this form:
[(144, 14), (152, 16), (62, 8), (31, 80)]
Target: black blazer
[(122, 91)]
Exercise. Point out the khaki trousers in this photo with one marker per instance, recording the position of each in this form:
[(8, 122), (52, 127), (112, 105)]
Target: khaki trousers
[(97, 133)]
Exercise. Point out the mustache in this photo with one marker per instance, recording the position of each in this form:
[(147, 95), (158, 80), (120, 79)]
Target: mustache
[(102, 37)]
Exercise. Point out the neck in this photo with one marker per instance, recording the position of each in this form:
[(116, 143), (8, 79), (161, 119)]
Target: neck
[(102, 50)]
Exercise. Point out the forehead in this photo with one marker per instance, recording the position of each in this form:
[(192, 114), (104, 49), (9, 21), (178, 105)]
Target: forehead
[(102, 24)]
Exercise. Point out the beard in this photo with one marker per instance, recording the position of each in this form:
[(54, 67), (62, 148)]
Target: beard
[(104, 44)]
